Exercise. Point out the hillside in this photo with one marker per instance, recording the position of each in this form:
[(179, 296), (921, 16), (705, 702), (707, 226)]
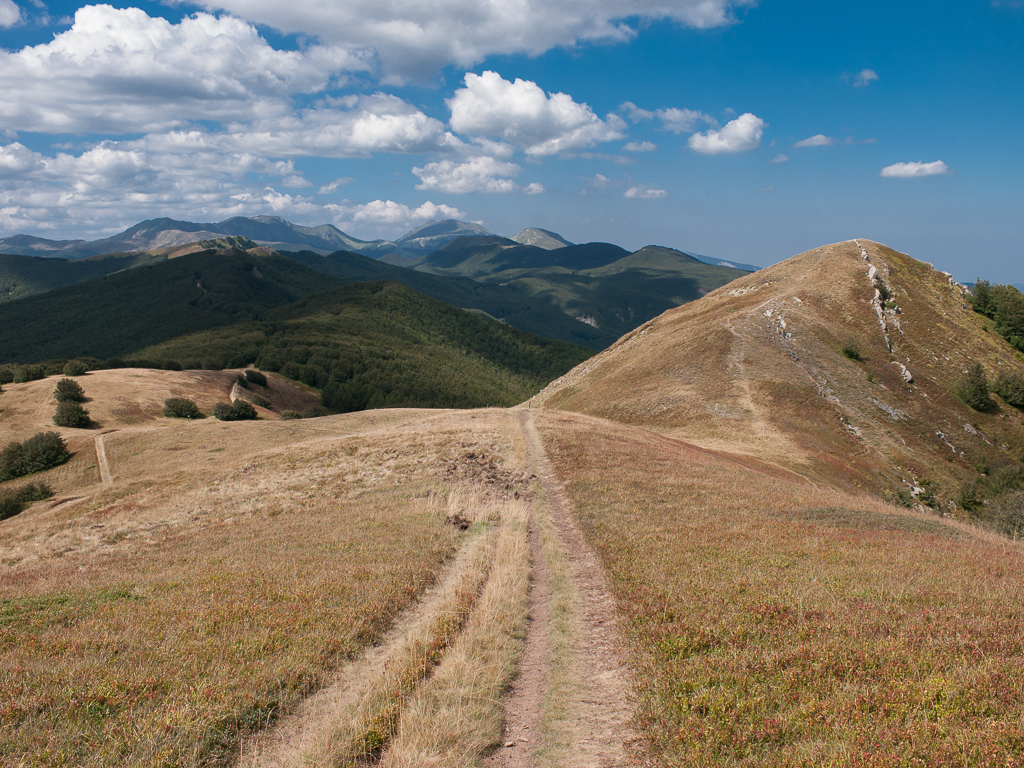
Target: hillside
[(118, 314), (758, 367), (22, 276), (381, 344), (600, 284)]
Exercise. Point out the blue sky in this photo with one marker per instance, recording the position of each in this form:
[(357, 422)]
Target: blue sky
[(743, 130)]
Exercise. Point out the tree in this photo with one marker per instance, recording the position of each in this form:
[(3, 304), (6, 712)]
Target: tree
[(1010, 387), (71, 414), (69, 389), (44, 450), (973, 388)]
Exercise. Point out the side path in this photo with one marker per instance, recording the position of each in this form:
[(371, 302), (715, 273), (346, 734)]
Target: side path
[(572, 704)]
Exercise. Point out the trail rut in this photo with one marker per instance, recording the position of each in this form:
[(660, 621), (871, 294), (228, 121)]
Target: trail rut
[(571, 706)]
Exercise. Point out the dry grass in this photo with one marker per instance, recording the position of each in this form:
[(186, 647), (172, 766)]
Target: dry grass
[(774, 623), (457, 715), (162, 619), (756, 368)]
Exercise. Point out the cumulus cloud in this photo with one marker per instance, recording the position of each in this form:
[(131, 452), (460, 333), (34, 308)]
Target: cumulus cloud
[(639, 146), (864, 77), (377, 123), (10, 14), (392, 214), (671, 118), (411, 39), (522, 114), (122, 71), (914, 170), (817, 140), (738, 135), (477, 174), (644, 192)]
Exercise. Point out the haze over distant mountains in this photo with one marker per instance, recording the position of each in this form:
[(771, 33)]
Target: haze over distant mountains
[(282, 235)]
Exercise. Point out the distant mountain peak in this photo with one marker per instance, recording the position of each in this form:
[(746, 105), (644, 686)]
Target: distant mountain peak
[(541, 238)]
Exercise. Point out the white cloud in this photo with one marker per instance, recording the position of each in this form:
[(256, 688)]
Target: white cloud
[(780, 158), (914, 170), (377, 123), (672, 118), (414, 39), (122, 71), (326, 189), (10, 14), (738, 135), (769, 188), (864, 77), (521, 113), (477, 174), (817, 140), (645, 192), (642, 146), (392, 214)]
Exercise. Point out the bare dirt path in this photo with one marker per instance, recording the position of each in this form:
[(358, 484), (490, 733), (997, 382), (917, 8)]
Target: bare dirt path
[(572, 703), (102, 463)]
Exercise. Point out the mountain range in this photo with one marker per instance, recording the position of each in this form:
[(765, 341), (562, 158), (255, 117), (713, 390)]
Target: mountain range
[(281, 235)]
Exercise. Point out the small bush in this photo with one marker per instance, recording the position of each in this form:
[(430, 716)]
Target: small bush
[(172, 365), (182, 408), (1010, 387), (852, 349), (30, 373), (243, 382), (315, 411), (240, 410), (973, 390), (71, 414), (6, 374), (14, 500), (12, 461), (968, 499), (290, 415), (899, 497), (68, 389), (261, 401), (75, 368), (256, 377)]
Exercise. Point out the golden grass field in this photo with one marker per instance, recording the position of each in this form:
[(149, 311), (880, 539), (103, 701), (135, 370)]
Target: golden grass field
[(287, 592)]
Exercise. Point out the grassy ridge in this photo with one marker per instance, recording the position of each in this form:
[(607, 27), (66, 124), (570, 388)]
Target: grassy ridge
[(370, 345)]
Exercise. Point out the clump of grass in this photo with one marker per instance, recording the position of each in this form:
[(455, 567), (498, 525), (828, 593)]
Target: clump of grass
[(852, 349)]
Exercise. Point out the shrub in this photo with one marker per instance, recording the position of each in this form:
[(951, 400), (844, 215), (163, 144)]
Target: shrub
[(30, 373), (1010, 387), (261, 401), (182, 408), (243, 382), (172, 365), (15, 500), (256, 377), (12, 461), (69, 389), (315, 411), (973, 390), (852, 349), (290, 415), (75, 368), (71, 414), (1006, 478), (240, 410), (6, 374), (41, 451), (967, 499)]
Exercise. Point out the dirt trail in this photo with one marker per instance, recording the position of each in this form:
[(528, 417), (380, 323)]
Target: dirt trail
[(102, 463), (596, 728)]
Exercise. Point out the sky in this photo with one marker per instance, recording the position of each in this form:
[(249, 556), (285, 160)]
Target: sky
[(747, 130)]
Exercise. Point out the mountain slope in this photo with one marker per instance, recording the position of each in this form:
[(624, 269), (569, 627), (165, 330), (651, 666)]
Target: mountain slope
[(123, 312), (757, 367), (22, 276), (541, 238), (381, 344)]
